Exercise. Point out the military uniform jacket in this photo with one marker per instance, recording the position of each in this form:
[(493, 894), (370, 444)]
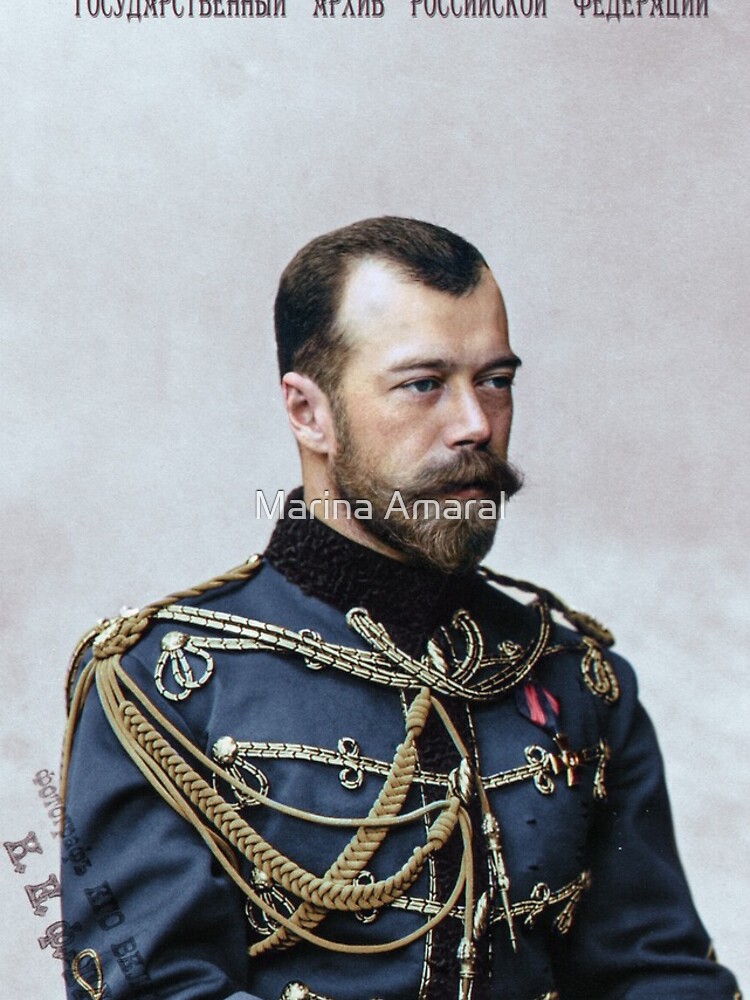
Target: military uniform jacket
[(333, 775)]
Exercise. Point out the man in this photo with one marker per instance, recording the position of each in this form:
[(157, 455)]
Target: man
[(356, 767)]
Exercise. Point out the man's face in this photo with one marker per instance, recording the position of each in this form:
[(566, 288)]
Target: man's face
[(424, 406)]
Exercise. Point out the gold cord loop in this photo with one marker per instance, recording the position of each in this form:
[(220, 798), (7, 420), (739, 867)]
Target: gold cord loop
[(94, 990)]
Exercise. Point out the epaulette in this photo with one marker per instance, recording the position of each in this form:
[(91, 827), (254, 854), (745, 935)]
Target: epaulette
[(583, 623)]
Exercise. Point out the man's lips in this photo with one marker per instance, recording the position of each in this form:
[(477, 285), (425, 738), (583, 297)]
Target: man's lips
[(467, 491)]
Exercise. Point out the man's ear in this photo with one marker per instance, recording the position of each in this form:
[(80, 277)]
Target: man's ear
[(309, 413)]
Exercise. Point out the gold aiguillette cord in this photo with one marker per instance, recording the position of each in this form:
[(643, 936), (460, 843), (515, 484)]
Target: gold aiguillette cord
[(96, 991)]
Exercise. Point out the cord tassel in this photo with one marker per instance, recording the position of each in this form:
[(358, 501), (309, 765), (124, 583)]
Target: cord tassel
[(467, 961), (498, 874)]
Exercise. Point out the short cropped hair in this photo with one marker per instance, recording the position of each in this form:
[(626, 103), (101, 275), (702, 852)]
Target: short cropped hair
[(309, 338)]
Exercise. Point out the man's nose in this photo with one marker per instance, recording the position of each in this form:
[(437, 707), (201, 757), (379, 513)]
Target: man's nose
[(468, 424)]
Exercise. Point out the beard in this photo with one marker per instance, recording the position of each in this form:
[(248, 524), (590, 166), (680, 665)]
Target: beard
[(451, 545)]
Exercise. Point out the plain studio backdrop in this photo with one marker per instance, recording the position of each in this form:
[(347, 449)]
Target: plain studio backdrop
[(157, 176)]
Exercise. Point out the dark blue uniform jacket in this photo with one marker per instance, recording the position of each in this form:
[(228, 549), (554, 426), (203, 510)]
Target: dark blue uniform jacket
[(308, 708)]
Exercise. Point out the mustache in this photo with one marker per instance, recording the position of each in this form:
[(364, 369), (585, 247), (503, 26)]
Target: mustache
[(480, 469)]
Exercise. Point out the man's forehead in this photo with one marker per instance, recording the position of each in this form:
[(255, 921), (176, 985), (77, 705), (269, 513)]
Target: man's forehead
[(370, 287), (381, 301)]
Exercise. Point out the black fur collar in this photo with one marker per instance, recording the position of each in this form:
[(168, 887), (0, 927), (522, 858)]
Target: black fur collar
[(410, 600)]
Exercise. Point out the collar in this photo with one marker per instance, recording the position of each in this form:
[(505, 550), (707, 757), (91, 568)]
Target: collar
[(410, 600)]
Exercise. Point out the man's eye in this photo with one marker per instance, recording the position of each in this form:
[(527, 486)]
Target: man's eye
[(498, 381), (422, 385)]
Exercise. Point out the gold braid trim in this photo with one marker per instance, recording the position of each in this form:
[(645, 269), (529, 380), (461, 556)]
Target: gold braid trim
[(75, 661), (596, 671), (225, 832), (116, 636), (581, 622), (301, 991), (190, 795), (542, 766), (361, 848), (148, 748), (542, 898), (383, 663), (96, 989), (119, 635)]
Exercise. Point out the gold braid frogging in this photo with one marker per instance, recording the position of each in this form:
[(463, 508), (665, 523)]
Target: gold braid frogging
[(187, 792), (182, 787), (116, 637)]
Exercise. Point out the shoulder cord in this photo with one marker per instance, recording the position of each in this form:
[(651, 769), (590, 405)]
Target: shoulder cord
[(190, 795), (182, 787), (116, 636), (366, 841), (580, 621)]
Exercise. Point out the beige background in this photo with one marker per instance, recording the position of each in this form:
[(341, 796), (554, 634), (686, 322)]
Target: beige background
[(157, 176)]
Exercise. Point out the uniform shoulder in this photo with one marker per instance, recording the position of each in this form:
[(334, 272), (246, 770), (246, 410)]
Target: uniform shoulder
[(116, 636), (583, 623), (605, 673)]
